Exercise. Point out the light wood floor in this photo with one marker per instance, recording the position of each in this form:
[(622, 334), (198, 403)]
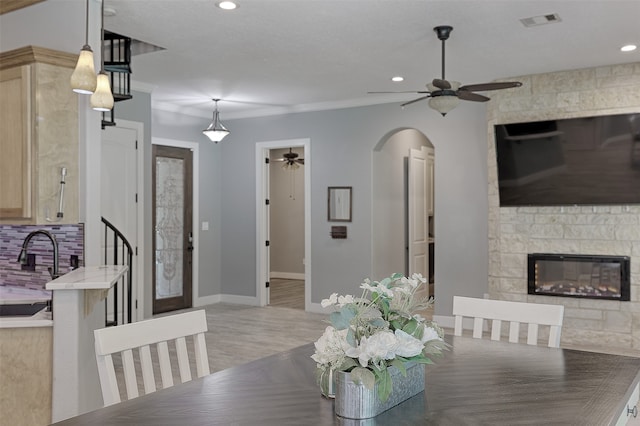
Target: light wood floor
[(286, 293)]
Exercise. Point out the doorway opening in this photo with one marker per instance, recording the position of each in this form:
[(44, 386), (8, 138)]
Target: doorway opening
[(283, 200), (286, 227)]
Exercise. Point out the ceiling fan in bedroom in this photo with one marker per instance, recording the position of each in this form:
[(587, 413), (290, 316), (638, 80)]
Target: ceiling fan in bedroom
[(291, 160), (445, 95)]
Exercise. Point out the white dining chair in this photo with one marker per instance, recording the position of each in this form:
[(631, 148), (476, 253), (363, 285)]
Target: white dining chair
[(142, 335), (515, 313)]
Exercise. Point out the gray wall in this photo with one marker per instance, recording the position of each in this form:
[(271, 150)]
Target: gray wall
[(342, 142)]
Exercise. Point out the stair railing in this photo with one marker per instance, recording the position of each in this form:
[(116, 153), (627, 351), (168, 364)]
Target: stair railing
[(119, 252)]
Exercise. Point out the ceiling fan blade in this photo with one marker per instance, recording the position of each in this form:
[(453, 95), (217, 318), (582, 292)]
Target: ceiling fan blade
[(300, 160), (466, 95), (490, 86), (441, 84), (415, 100), (408, 91)]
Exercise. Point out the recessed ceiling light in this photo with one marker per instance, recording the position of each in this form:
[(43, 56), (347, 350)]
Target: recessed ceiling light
[(628, 48), (397, 78), (226, 5)]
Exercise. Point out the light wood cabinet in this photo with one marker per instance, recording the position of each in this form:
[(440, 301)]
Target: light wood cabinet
[(38, 136)]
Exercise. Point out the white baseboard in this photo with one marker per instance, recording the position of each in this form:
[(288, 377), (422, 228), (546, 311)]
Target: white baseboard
[(445, 321), (207, 300), (226, 298), (287, 275), (239, 300)]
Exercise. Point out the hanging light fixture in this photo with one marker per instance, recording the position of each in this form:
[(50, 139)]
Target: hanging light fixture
[(102, 98), (216, 130), (444, 101), (83, 79)]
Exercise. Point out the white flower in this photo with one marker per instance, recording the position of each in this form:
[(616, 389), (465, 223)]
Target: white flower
[(380, 346), (366, 285), (330, 347), (430, 334), (330, 301), (407, 345), (345, 300)]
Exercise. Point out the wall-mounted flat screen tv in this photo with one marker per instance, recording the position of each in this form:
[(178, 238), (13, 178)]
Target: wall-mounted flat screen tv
[(576, 161)]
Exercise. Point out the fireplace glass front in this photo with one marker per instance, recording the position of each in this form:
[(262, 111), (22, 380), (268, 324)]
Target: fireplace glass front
[(595, 277)]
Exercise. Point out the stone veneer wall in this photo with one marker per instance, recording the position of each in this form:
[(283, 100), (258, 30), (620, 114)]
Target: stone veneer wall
[(602, 230)]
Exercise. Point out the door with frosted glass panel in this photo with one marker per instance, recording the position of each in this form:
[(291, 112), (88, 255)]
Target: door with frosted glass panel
[(172, 228)]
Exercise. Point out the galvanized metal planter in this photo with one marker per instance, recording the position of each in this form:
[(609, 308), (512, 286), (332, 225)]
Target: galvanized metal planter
[(357, 402)]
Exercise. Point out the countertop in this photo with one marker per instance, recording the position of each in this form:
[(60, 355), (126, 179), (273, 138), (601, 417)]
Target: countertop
[(88, 278)]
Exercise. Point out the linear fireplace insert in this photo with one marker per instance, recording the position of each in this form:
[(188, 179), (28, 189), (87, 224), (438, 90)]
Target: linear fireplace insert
[(572, 275)]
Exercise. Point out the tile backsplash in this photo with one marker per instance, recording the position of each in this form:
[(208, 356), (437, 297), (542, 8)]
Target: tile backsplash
[(70, 240)]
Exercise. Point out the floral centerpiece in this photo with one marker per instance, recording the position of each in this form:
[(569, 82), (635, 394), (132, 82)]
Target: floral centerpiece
[(370, 334)]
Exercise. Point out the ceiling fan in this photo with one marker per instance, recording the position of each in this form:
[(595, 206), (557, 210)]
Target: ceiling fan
[(290, 159), (445, 95)]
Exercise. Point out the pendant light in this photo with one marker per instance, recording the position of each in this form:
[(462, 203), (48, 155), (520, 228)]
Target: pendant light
[(83, 79), (102, 98), (216, 130)]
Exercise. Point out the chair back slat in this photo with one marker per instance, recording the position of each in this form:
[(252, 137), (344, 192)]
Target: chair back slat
[(183, 360), (515, 313), (129, 368), (202, 362), (142, 337), (146, 364), (165, 364)]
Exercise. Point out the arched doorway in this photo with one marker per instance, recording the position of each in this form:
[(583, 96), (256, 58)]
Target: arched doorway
[(402, 205)]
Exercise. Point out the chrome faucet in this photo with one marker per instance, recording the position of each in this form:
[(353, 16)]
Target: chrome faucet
[(22, 258)]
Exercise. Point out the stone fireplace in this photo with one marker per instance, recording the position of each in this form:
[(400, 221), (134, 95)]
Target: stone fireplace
[(608, 230), (568, 275)]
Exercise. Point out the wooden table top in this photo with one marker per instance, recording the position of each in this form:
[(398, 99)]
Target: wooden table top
[(478, 382)]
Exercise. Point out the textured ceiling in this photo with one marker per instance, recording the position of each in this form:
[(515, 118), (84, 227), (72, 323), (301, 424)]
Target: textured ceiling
[(271, 56)]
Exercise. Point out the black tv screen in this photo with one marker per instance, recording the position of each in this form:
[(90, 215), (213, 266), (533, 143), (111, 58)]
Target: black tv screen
[(576, 161)]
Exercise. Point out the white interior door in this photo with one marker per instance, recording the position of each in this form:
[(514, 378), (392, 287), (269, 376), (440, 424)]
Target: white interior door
[(418, 229), (118, 188)]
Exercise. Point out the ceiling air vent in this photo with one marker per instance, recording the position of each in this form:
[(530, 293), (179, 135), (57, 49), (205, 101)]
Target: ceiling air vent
[(534, 21)]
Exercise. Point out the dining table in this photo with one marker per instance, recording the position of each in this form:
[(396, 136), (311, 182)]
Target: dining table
[(474, 382)]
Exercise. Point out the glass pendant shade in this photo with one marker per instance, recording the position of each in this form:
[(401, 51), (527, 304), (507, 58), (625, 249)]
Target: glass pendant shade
[(443, 104), (216, 130), (83, 79), (102, 99)]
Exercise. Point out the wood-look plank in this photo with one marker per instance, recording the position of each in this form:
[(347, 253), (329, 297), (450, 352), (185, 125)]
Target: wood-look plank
[(286, 293)]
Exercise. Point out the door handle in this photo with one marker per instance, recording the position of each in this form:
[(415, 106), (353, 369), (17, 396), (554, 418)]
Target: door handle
[(190, 242)]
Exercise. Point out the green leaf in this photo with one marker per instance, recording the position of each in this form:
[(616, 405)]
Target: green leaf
[(410, 327), (363, 375), (399, 365), (396, 324), (342, 318), (348, 364), (384, 385), (351, 338), (396, 276)]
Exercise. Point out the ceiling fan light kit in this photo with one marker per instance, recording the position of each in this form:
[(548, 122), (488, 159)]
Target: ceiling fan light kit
[(445, 95), (216, 130)]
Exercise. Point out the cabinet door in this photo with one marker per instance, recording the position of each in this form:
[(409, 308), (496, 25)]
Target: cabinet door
[(15, 143)]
